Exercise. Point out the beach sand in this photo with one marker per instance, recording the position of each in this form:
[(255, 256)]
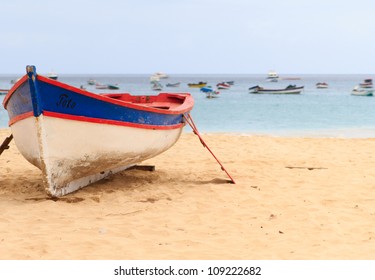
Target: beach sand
[(295, 198)]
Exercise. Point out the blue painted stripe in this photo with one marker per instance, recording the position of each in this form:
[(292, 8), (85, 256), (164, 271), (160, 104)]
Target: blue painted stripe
[(41, 96), (60, 100)]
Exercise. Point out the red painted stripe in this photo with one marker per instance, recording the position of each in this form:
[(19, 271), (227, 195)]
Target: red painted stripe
[(20, 117), (111, 122), (13, 89)]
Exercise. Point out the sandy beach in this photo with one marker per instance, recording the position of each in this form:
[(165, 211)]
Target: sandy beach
[(295, 198)]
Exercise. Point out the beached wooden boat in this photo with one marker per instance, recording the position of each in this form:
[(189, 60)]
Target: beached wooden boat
[(197, 85), (291, 89), (76, 137)]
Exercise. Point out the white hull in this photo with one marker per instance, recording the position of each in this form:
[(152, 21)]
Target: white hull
[(73, 154)]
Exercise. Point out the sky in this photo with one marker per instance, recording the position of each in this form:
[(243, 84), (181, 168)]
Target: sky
[(188, 36)]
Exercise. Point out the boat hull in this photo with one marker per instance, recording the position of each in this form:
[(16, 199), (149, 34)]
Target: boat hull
[(199, 85), (73, 154), (102, 137)]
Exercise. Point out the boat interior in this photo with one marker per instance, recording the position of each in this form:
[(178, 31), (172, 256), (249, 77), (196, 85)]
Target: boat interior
[(162, 101)]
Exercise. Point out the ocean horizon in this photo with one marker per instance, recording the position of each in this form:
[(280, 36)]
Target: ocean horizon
[(331, 112)]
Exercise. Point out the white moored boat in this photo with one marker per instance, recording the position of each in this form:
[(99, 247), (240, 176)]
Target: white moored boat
[(358, 91), (321, 85), (273, 76), (291, 89)]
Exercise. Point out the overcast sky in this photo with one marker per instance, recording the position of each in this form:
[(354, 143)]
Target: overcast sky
[(188, 36)]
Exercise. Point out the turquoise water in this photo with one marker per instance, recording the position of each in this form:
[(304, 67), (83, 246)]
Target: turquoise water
[(331, 112)]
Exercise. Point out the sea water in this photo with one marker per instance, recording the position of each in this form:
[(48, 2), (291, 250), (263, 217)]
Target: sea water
[(331, 112)]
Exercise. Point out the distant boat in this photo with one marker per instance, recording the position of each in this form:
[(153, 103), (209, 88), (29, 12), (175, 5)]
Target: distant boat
[(358, 91), (101, 86), (113, 86), (154, 78), (321, 85), (91, 82), (272, 76), (3, 91), (173, 85), (13, 81), (77, 137), (197, 85), (291, 89), (161, 75), (156, 86), (367, 83), (157, 76), (210, 93), (52, 76), (223, 85)]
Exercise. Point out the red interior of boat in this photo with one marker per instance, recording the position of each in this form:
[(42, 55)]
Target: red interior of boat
[(161, 101)]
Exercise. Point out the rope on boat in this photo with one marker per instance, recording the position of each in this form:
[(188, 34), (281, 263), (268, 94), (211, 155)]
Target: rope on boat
[(5, 144), (190, 121)]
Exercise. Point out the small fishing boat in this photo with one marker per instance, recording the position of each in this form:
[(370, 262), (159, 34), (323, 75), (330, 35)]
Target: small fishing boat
[(101, 86), (113, 86), (106, 86), (91, 82), (291, 89), (321, 85), (173, 85), (13, 81), (223, 85), (77, 137), (367, 83), (210, 93), (156, 86), (3, 91), (160, 75), (358, 91), (197, 85), (272, 76), (52, 75)]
